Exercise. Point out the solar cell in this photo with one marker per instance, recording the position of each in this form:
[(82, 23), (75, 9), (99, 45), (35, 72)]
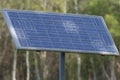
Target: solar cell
[(59, 32)]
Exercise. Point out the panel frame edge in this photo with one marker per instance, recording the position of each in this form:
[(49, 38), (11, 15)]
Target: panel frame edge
[(11, 29), (110, 36)]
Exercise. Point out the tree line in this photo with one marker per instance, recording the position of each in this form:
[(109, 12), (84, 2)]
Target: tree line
[(32, 65)]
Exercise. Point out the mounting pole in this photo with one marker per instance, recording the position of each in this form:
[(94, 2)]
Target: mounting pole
[(62, 66)]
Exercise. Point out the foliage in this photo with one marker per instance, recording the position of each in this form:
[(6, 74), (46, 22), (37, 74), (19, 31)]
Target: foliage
[(101, 65)]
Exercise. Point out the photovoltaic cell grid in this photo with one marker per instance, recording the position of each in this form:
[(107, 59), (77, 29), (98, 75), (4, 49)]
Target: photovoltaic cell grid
[(59, 32)]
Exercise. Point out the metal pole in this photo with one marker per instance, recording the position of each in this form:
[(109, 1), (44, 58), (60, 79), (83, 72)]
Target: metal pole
[(62, 66)]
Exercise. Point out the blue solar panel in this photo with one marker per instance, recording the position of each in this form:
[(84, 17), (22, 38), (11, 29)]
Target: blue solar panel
[(59, 32)]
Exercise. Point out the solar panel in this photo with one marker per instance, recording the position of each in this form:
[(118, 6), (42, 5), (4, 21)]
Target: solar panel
[(59, 32)]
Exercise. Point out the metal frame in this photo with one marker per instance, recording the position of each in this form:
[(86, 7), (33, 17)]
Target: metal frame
[(11, 29)]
